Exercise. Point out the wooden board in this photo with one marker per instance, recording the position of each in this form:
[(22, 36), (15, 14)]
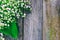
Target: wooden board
[(51, 20)]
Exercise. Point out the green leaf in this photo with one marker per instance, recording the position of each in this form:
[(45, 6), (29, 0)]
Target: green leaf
[(12, 30)]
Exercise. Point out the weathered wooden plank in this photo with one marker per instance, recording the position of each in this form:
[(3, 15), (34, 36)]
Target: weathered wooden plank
[(51, 20), (33, 22)]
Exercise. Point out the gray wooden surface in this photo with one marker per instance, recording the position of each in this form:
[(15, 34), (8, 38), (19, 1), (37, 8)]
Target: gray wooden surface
[(33, 22)]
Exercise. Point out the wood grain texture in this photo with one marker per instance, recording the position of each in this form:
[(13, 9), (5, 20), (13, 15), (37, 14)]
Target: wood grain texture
[(51, 20), (33, 22)]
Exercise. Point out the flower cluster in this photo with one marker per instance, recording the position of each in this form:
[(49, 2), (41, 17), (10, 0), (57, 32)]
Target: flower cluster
[(10, 10)]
